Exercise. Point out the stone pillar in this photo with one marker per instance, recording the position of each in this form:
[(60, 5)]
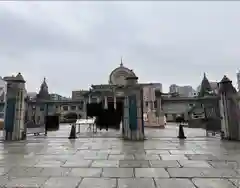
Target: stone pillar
[(229, 110), (115, 102), (105, 102), (89, 99), (15, 108), (133, 123), (98, 99)]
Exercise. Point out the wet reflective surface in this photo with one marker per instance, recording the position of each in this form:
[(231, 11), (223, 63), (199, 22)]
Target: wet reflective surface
[(92, 161)]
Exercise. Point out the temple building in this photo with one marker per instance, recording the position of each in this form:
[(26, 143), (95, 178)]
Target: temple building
[(112, 92)]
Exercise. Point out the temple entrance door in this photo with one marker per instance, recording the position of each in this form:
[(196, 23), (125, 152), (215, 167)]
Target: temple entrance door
[(115, 113)]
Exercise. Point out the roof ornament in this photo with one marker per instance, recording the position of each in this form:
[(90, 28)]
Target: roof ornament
[(204, 75), (121, 64)]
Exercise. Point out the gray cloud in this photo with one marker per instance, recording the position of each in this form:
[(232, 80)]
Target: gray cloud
[(76, 44)]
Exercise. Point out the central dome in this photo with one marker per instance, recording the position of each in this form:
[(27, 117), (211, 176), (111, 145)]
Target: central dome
[(118, 76)]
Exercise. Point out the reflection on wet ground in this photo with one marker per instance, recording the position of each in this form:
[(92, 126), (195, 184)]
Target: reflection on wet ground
[(106, 161)]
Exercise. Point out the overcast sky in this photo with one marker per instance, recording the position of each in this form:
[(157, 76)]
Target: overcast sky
[(76, 44)]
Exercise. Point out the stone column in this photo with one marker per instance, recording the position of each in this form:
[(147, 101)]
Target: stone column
[(229, 110), (15, 108), (115, 102), (105, 102), (98, 99), (133, 123), (89, 99)]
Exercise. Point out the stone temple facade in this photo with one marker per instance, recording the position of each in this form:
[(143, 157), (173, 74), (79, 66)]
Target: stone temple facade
[(112, 92)]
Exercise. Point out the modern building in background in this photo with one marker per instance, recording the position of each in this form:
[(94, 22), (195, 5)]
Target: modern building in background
[(173, 88), (78, 94), (186, 91), (238, 80), (57, 97), (3, 88), (53, 96), (32, 95), (182, 91)]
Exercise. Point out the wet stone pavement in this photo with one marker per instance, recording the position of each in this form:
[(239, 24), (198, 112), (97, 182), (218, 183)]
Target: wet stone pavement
[(96, 162)]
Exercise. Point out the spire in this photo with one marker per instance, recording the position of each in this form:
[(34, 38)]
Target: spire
[(44, 85), (206, 88), (121, 64), (204, 75), (43, 93)]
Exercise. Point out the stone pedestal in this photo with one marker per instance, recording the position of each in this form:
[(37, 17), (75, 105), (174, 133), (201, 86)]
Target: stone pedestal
[(15, 108)]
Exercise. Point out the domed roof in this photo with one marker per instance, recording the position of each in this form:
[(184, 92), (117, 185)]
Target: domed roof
[(20, 78), (119, 74)]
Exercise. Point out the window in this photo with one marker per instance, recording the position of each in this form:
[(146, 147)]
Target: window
[(190, 105), (73, 107), (65, 108), (146, 104)]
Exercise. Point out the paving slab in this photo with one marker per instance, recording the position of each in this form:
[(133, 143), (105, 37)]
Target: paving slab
[(213, 183), (54, 171), (147, 157), (134, 163), (24, 172), (98, 183), (136, 183), (105, 161), (182, 152), (4, 170), (151, 173), (77, 163), (121, 157), (202, 157), (201, 172), (164, 164), (173, 157), (118, 172), (194, 164), (26, 182), (3, 181), (49, 163), (236, 182), (174, 183), (225, 164), (62, 182), (158, 152), (86, 172)]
